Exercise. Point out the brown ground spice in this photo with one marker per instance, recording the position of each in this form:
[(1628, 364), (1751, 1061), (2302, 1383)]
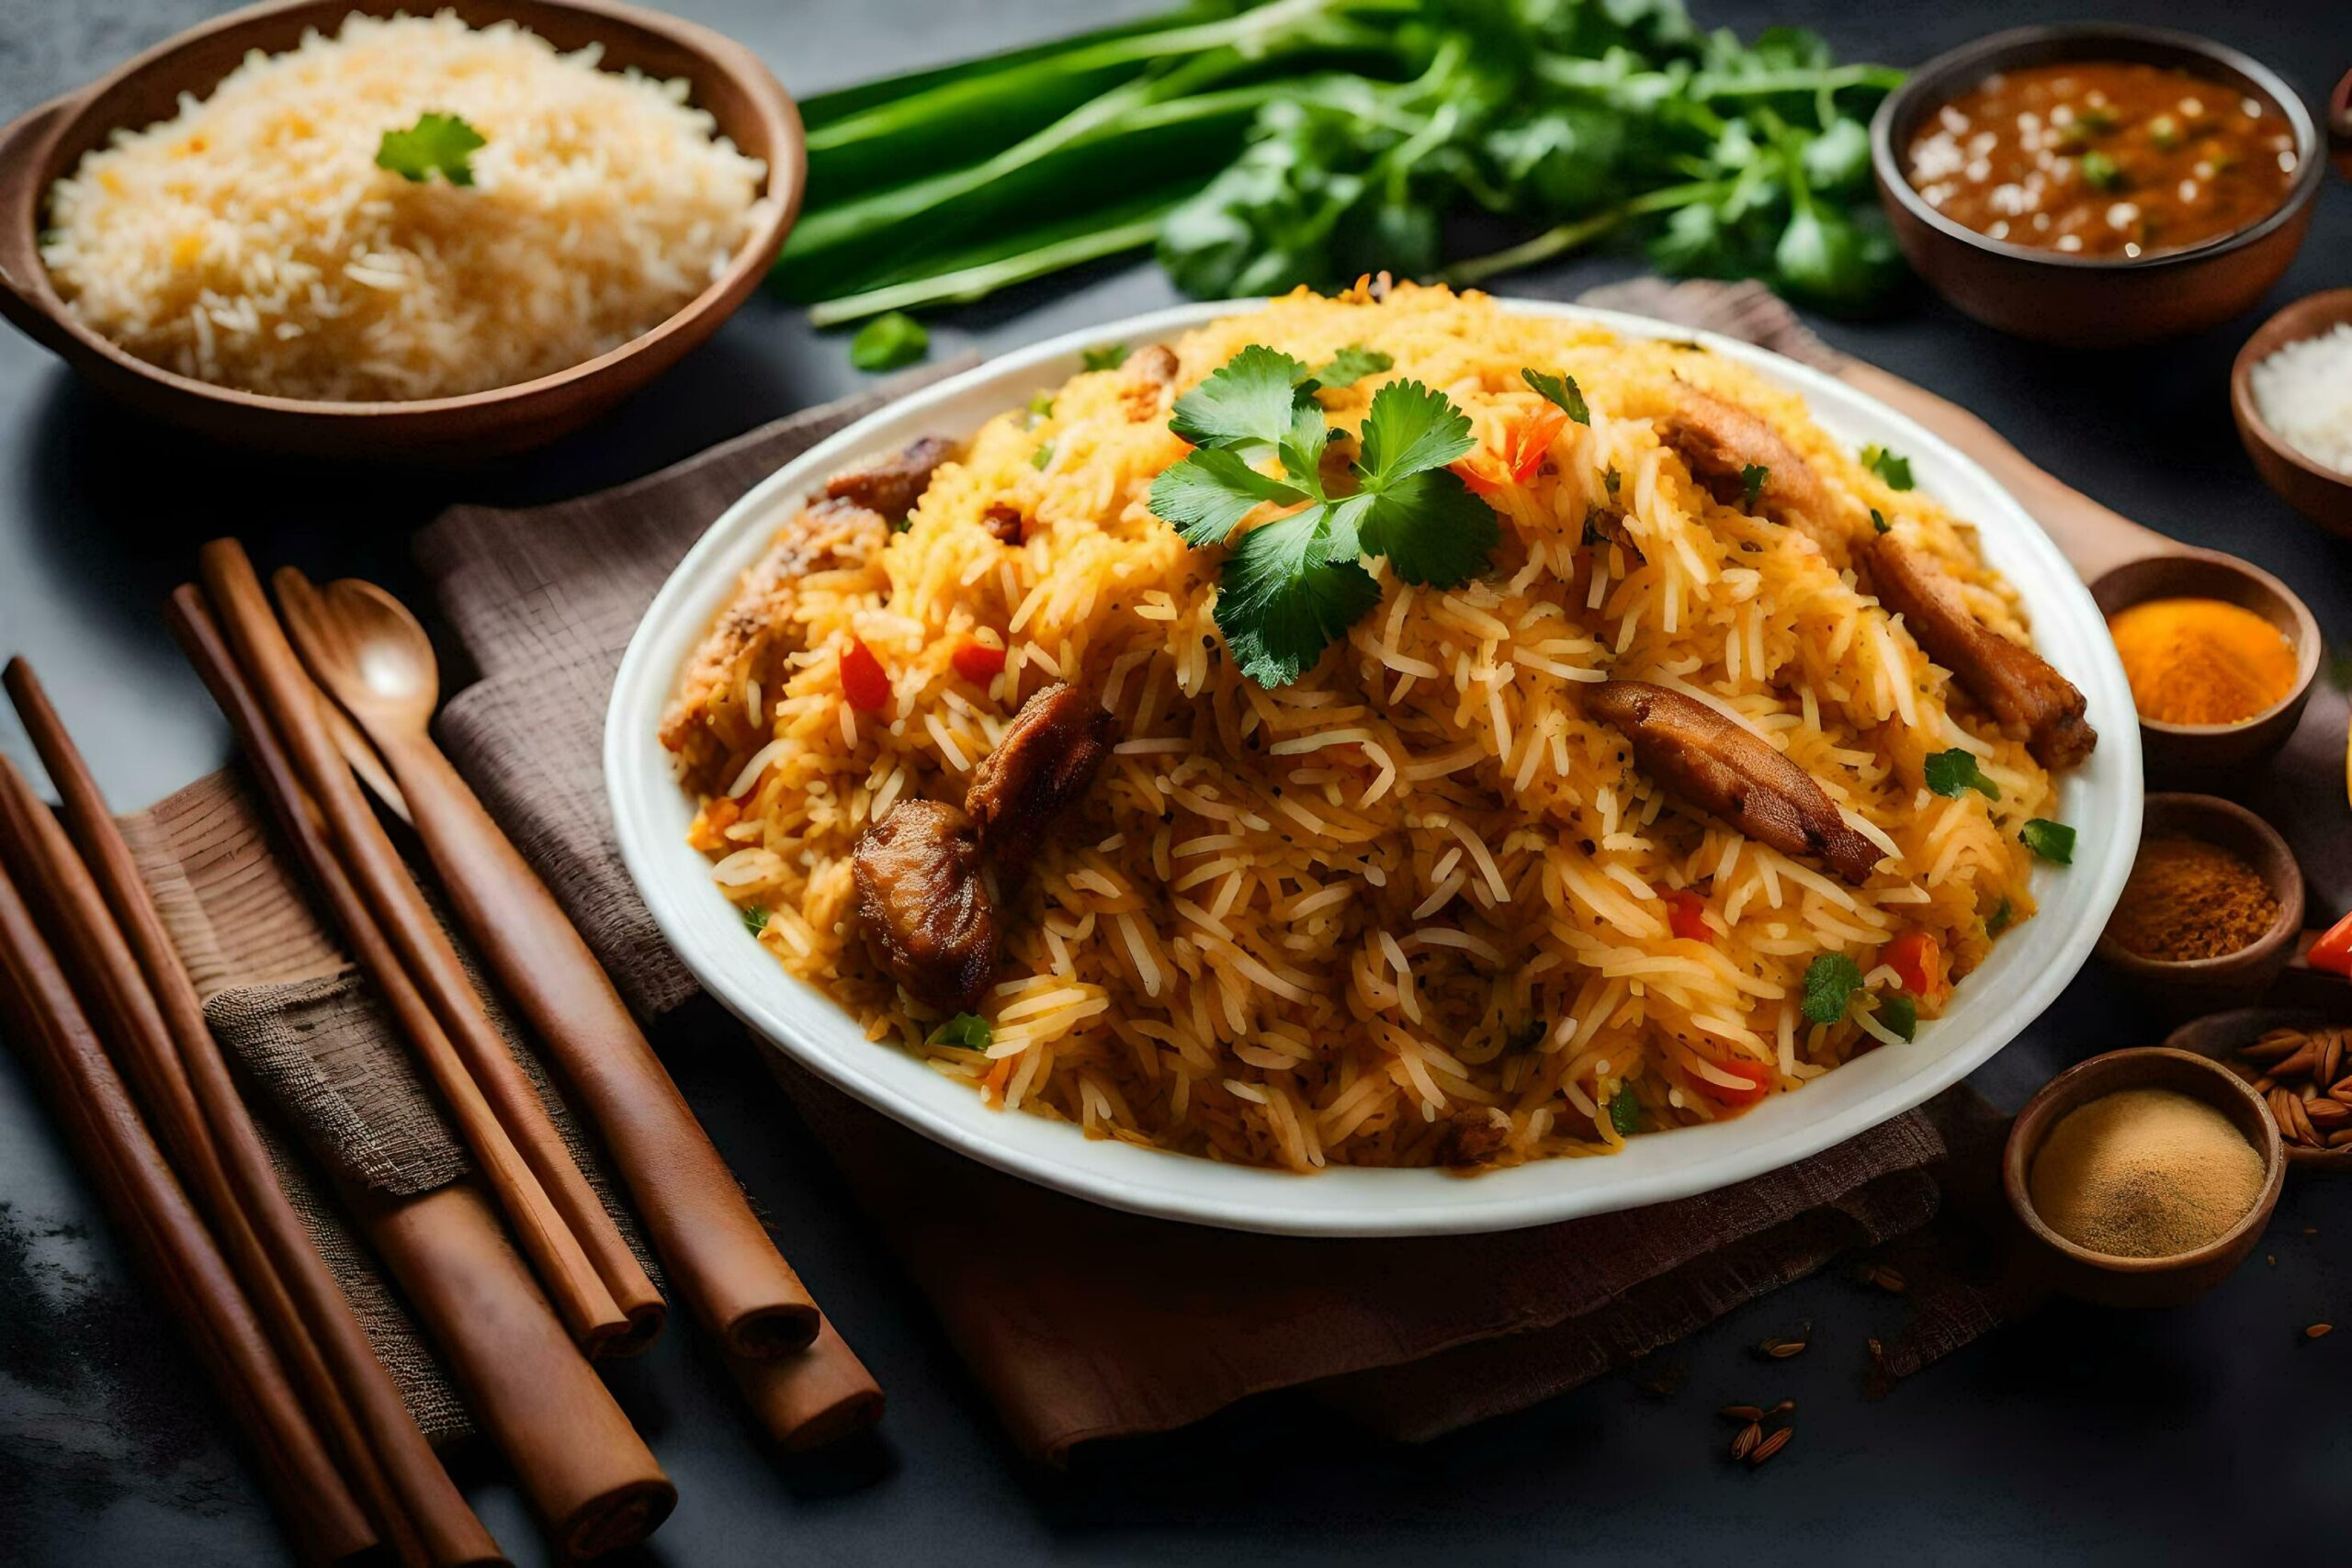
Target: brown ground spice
[(2188, 899)]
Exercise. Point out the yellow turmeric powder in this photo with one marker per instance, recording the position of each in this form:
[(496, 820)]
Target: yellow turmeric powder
[(2201, 661)]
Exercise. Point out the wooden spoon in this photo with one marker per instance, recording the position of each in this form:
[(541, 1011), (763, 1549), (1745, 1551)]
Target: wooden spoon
[(365, 648)]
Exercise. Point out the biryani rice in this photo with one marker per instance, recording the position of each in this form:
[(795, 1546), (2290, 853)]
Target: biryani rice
[(252, 241), (1331, 922)]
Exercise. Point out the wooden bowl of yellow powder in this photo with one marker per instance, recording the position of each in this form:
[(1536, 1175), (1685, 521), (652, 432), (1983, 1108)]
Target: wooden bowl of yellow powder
[(2144, 1177)]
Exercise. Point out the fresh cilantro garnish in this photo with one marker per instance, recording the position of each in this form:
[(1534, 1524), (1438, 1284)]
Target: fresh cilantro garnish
[(1751, 482), (1610, 479), (1592, 535), (1291, 588), (1949, 773), (1041, 406), (1109, 356), (1624, 1111), (887, 342), (2101, 172), (1894, 470), (1898, 1014), (1351, 365), (1042, 456), (2052, 841), (1561, 391), (442, 142), (755, 918), (968, 1029), (1830, 985), (1877, 522), (1999, 921)]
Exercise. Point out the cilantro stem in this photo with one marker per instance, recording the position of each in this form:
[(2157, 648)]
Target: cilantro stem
[(1567, 237), (966, 284)]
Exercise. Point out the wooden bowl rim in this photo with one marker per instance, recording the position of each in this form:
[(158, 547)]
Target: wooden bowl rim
[(785, 185), (2287, 887), (2310, 645), (1984, 55), (2297, 1016), (2078, 1086), (2323, 310)]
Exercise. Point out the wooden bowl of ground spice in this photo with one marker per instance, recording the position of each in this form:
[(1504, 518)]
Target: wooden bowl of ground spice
[(2210, 913), (2143, 1176)]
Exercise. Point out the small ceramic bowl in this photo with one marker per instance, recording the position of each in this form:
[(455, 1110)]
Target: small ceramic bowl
[(2219, 1034), (2211, 753), (2339, 126), (725, 79), (2089, 301), (2202, 984), (2118, 1281), (2318, 492)]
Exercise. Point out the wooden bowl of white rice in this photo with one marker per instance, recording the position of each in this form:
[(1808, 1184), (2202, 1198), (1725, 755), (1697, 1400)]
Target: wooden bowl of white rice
[(211, 234)]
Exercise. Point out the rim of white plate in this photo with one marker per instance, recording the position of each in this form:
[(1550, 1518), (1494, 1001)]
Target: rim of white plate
[(652, 813)]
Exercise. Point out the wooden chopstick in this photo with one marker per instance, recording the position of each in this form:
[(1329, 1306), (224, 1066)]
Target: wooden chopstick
[(414, 1503), (571, 1281), (369, 857), (154, 1215)]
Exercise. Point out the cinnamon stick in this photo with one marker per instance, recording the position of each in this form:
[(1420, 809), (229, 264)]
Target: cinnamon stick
[(410, 1496), (152, 1213), (810, 1398), (594, 1483), (572, 1282), (369, 857), (716, 1251)]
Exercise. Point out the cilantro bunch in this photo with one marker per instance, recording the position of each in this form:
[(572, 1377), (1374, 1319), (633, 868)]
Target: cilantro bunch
[(1291, 588)]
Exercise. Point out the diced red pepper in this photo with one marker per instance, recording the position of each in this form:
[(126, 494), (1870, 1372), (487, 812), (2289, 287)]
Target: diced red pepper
[(1525, 436), (1686, 915), (1760, 1082), (864, 680), (2333, 950), (977, 661), (1918, 959)]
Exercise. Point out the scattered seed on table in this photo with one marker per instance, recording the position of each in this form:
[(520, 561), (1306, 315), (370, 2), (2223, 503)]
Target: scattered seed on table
[(1740, 1413), (2319, 1331), (1771, 1445), (1745, 1444)]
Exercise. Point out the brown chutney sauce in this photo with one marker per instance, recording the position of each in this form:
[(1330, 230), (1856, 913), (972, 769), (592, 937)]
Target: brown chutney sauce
[(2104, 158)]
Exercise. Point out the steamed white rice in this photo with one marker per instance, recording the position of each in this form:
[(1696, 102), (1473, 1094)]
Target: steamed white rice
[(251, 240)]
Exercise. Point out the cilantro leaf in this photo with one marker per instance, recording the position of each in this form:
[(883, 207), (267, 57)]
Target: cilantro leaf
[(1108, 356), (1285, 595), (1041, 406), (1894, 470), (1430, 527), (1351, 365), (1624, 1111), (968, 1029), (1561, 391), (1751, 481), (1205, 497), (1042, 456), (887, 342), (2052, 841), (1409, 429), (1898, 1014), (443, 142), (1999, 921), (1830, 985), (755, 918), (1949, 773), (1248, 400), (1878, 524)]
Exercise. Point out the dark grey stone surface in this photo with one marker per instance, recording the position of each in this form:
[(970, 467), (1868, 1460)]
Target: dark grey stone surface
[(2208, 1432)]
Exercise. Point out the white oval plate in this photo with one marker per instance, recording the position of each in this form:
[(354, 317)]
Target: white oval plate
[(2025, 974)]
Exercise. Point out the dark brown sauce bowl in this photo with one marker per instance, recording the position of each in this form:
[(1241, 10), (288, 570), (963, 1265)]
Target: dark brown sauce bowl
[(2089, 301), (2143, 1281), (2209, 754), (725, 79)]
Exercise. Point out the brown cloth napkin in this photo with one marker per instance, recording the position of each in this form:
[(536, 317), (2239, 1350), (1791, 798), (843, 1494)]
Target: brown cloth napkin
[(1080, 1322)]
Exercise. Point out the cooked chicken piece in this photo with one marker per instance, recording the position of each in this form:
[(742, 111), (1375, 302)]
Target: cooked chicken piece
[(920, 893), (1150, 372), (892, 485), (1719, 767), (1719, 440), (1049, 756), (756, 631), (1003, 520), (1472, 1138), (2027, 698)]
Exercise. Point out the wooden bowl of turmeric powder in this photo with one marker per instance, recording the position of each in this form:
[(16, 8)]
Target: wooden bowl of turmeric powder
[(2211, 911), (2143, 1176), (2221, 656)]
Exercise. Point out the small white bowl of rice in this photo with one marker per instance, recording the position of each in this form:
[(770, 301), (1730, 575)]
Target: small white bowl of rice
[(222, 233)]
